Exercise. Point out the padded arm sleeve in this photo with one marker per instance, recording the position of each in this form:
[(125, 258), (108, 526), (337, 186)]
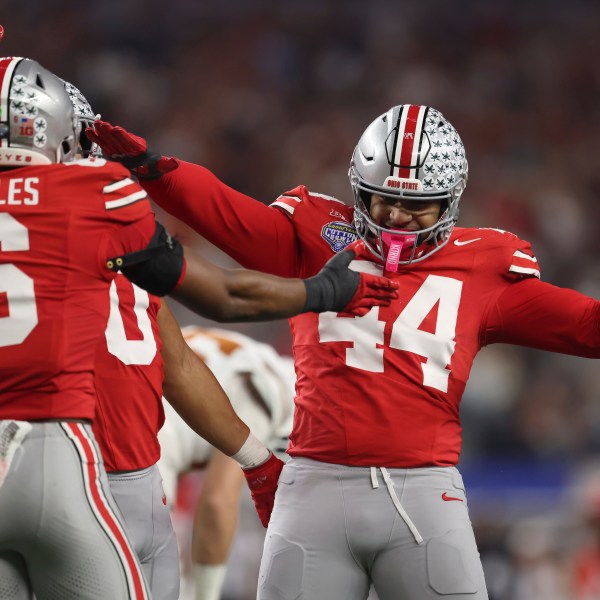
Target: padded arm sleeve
[(158, 268)]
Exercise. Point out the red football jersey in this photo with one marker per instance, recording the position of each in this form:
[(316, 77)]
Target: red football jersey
[(129, 377), (58, 225), (385, 389)]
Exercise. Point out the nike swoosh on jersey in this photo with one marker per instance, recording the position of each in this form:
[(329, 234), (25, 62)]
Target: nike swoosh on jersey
[(459, 243)]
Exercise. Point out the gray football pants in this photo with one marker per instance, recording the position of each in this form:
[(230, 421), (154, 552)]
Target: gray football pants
[(61, 536), (336, 529), (141, 500)]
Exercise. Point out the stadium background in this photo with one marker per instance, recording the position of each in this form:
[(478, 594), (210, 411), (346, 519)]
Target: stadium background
[(271, 94)]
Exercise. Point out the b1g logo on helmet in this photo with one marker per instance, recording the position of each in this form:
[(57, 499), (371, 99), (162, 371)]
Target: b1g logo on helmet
[(338, 235)]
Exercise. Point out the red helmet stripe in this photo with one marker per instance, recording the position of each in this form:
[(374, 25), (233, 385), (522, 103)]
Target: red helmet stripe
[(7, 66), (407, 145)]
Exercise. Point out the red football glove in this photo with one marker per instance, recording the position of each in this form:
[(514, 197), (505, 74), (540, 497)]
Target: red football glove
[(262, 481), (372, 291), (130, 150)]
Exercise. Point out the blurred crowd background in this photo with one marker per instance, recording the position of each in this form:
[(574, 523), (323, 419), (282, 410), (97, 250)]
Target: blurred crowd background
[(272, 94)]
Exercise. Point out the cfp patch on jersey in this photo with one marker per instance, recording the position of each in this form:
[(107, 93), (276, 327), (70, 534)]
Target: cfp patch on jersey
[(338, 235), (12, 434)]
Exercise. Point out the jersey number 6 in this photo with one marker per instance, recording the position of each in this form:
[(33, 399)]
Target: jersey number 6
[(17, 287)]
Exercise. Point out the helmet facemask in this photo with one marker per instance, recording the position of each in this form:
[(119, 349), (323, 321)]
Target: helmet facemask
[(411, 153), (85, 118)]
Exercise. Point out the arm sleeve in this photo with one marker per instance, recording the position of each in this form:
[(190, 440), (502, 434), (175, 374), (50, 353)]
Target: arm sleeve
[(539, 315), (256, 236)]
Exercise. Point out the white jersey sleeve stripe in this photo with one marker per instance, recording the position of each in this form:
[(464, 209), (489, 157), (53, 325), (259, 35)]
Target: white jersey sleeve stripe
[(117, 185), (292, 198), (287, 208), (519, 254), (525, 271), (288, 203), (135, 197), (325, 197)]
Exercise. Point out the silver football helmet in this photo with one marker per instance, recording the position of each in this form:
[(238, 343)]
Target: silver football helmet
[(409, 152), (37, 120), (85, 116)]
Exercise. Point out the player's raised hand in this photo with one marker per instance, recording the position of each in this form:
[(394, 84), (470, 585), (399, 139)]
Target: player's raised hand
[(338, 288), (372, 291), (130, 150), (262, 481)]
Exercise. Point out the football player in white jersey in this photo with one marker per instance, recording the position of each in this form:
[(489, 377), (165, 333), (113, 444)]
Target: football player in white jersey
[(260, 384)]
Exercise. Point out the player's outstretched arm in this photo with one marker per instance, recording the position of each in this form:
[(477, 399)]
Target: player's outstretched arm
[(200, 200), (242, 295), (537, 314), (194, 392)]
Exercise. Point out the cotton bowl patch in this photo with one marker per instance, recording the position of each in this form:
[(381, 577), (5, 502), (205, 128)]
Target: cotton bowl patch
[(338, 235)]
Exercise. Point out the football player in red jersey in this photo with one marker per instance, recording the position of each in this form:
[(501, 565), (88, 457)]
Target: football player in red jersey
[(372, 493), (141, 341), (60, 219), (64, 225)]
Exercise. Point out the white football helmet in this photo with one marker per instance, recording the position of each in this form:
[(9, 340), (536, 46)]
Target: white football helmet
[(37, 120), (85, 116), (409, 152)]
